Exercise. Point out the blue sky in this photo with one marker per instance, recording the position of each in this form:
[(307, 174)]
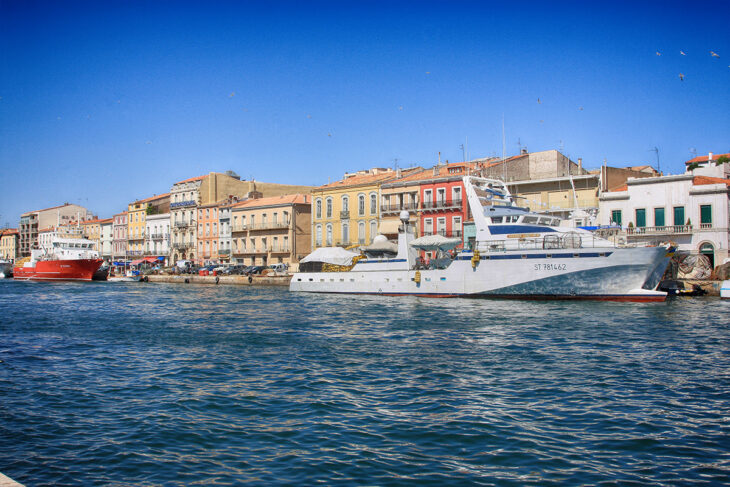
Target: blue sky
[(106, 102)]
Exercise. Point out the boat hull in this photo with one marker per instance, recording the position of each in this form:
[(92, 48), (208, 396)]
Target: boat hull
[(59, 270), (600, 274)]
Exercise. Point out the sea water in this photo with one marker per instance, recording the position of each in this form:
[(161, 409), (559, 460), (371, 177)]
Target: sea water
[(162, 384)]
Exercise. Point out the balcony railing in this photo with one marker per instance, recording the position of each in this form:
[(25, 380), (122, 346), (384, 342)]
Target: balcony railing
[(159, 236), (183, 245), (343, 243), (394, 208), (664, 230), (183, 204), (134, 253), (434, 205), (136, 237), (280, 249), (224, 252), (260, 226), (345, 215), (185, 224)]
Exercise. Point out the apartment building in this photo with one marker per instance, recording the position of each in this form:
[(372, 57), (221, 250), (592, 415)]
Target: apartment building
[(271, 230), (31, 222)]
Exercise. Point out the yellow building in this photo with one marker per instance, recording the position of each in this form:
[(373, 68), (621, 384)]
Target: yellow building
[(9, 239), (347, 212), (91, 230), (137, 213)]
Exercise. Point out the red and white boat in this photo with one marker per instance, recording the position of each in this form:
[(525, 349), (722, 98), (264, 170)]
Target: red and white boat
[(69, 259)]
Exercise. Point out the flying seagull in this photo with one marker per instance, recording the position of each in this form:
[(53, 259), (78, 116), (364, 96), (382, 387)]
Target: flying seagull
[(538, 100), (658, 53), (233, 93), (714, 54), (682, 53), (681, 77)]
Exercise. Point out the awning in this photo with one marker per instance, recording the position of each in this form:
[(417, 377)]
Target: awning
[(388, 227), (137, 262), (435, 242)]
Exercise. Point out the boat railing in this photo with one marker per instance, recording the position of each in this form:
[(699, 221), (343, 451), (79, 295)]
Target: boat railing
[(572, 240)]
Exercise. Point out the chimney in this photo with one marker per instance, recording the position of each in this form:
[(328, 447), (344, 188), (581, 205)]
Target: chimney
[(709, 157), (523, 151), (398, 173), (580, 163), (435, 170)]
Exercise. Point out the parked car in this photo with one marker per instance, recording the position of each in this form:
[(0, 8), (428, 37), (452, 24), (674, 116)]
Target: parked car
[(255, 269)]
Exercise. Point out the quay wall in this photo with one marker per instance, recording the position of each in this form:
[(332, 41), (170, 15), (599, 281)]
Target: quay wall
[(240, 280)]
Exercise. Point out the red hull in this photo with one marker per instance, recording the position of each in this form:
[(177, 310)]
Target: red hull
[(59, 270)]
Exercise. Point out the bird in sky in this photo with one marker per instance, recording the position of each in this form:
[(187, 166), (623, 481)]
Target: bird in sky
[(329, 135), (538, 101), (400, 107), (714, 54), (233, 93), (309, 116), (681, 77), (658, 53), (428, 72), (580, 108), (682, 53)]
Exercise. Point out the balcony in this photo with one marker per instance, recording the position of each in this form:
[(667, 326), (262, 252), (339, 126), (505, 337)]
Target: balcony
[(343, 243), (345, 215), (261, 226), (183, 245), (441, 204), (137, 237), (185, 224), (135, 253), (224, 252), (281, 249), (665, 230), (183, 204), (159, 236), (398, 207)]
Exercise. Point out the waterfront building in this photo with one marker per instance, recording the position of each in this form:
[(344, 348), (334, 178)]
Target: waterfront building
[(157, 236), (9, 243), (208, 235), (137, 212), (187, 195), (32, 221), (224, 230), (400, 194), (106, 238), (273, 230), (69, 230), (119, 240), (347, 212), (91, 229), (549, 182), (688, 209)]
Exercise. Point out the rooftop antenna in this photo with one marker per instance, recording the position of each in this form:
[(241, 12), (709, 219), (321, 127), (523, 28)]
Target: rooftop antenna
[(519, 145), (504, 170), (656, 151), (463, 153), (693, 151)]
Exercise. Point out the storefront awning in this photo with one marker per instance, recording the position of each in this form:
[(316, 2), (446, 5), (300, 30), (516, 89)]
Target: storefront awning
[(389, 227)]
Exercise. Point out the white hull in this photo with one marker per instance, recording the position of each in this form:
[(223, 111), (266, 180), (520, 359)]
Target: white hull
[(609, 274)]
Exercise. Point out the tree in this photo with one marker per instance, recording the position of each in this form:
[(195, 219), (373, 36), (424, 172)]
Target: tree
[(722, 160)]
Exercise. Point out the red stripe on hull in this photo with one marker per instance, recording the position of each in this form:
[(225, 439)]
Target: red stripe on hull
[(59, 270)]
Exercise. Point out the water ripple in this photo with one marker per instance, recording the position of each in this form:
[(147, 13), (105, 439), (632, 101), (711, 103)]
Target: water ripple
[(183, 385)]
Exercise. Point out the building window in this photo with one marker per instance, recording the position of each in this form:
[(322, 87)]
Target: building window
[(616, 217), (705, 214), (361, 232), (285, 244), (361, 205), (679, 215), (329, 235), (373, 229), (640, 217), (318, 209), (659, 217), (441, 196), (345, 233), (427, 197), (373, 204), (456, 226), (456, 194), (345, 204), (318, 236), (428, 226), (329, 207), (441, 226)]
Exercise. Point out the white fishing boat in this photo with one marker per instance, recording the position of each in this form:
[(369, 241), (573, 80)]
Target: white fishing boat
[(516, 254), (6, 268)]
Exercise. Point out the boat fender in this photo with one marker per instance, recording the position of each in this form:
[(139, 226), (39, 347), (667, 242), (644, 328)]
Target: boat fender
[(475, 259), (417, 277), (250, 279), (187, 281), (217, 279)]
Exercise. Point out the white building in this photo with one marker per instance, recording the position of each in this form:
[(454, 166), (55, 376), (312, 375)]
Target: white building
[(688, 209), (157, 235), (106, 238)]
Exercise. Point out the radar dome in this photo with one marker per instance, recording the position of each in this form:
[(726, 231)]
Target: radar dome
[(380, 238), (404, 216)]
